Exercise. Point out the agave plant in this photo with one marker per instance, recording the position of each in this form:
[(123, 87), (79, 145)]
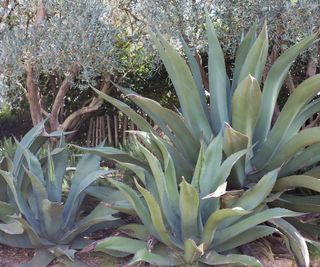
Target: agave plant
[(241, 106), (201, 222), (33, 209)]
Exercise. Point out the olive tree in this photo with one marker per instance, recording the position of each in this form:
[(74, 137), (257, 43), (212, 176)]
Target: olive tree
[(59, 46)]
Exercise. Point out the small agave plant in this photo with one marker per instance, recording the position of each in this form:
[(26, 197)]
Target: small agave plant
[(34, 212), (244, 109), (200, 222)]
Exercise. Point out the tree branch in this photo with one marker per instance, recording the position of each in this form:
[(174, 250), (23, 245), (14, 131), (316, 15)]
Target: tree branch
[(95, 104)]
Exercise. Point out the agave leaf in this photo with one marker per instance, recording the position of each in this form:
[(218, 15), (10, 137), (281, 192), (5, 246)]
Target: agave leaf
[(308, 228), (52, 216), (293, 181), (295, 103), (246, 237), (315, 172), (217, 79), (18, 241), (41, 258), (294, 240), (272, 85), (79, 184), (199, 168), (119, 243), (245, 107), (168, 206), (192, 252), (19, 201), (137, 231), (170, 174), (224, 171), (297, 143), (298, 203), (308, 157), (196, 73), (189, 211), (242, 53), (58, 161), (137, 119), (137, 203), (256, 58), (213, 258), (303, 116), (233, 142), (156, 216), (212, 161), (12, 228), (33, 236), (33, 163), (30, 139), (216, 218), (250, 221), (143, 255), (170, 123), (100, 214), (255, 196), (111, 153), (5, 211), (185, 87)]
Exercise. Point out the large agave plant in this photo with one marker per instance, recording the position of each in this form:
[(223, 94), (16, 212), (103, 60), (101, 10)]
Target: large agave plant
[(34, 212), (241, 106), (201, 222)]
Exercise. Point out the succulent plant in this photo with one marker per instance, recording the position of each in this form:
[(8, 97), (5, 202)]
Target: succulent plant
[(201, 222), (242, 110), (34, 210)]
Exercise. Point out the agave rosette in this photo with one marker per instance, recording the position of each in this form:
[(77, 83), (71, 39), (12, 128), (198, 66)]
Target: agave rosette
[(201, 222), (34, 212), (244, 109)]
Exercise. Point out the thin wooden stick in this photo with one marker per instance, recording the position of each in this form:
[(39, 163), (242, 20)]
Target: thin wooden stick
[(115, 120), (109, 130)]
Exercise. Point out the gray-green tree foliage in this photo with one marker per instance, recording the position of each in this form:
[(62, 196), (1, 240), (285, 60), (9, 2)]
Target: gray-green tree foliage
[(69, 43)]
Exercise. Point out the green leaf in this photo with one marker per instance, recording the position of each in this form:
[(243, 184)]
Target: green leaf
[(170, 123), (144, 255), (213, 258), (119, 243), (185, 87), (256, 58), (189, 210), (246, 237), (217, 79), (137, 119), (294, 105), (214, 220), (196, 73), (255, 196), (242, 53), (245, 107), (79, 184), (111, 153), (52, 215), (294, 240), (272, 86), (156, 216), (294, 181), (192, 252), (233, 142), (250, 221), (137, 204), (137, 231), (41, 258), (298, 203)]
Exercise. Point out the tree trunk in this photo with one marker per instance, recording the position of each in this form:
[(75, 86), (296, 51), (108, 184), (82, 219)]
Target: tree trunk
[(33, 95)]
